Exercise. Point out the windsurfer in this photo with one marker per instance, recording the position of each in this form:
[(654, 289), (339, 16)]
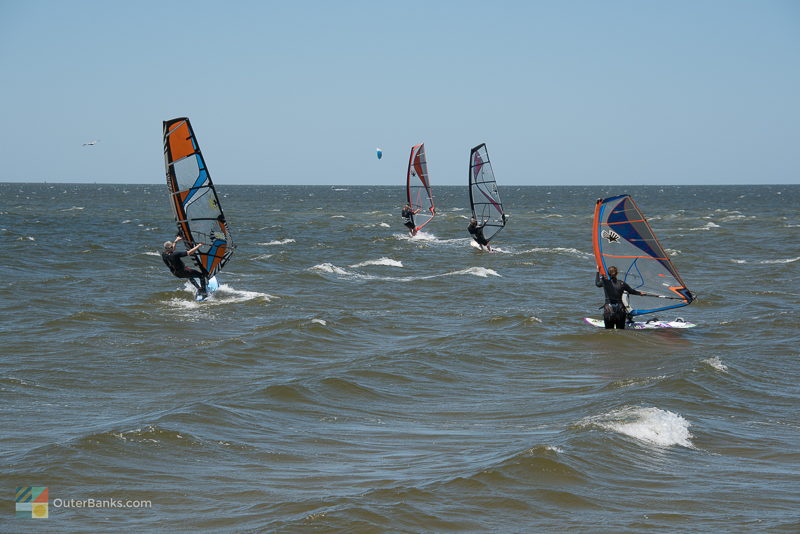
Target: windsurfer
[(408, 219), (476, 231), (173, 260), (614, 312)]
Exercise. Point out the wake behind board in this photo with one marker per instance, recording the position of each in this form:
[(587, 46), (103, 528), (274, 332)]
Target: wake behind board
[(211, 286), (646, 325)]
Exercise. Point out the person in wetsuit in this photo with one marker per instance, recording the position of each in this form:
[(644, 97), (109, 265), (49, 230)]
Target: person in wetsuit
[(614, 312), (476, 231), (173, 260), (408, 219)]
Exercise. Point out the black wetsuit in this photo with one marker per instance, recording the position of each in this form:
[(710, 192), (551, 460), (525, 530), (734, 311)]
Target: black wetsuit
[(408, 218), (175, 263), (477, 234), (614, 313)]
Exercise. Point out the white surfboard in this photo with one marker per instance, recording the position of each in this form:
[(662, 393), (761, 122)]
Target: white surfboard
[(645, 325), (211, 286)]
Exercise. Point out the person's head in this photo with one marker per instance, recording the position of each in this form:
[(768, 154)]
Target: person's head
[(612, 272), (473, 221), (169, 246)]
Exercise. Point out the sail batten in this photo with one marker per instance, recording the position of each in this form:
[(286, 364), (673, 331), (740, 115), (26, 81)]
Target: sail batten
[(194, 198), (622, 237), (418, 188), (484, 198)]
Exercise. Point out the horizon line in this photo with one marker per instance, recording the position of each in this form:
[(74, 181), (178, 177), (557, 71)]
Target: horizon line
[(401, 185)]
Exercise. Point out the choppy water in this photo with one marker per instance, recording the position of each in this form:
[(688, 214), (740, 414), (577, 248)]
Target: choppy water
[(348, 378)]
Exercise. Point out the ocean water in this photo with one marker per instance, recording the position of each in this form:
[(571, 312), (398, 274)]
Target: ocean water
[(347, 378)]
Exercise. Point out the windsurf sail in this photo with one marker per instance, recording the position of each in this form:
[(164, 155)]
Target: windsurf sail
[(484, 198), (194, 199), (418, 187), (622, 237)]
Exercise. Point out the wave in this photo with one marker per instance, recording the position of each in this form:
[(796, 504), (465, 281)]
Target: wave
[(330, 268), (382, 261), (768, 262), (716, 363), (225, 294), (558, 250), (476, 271), (708, 226), (278, 242), (650, 425)]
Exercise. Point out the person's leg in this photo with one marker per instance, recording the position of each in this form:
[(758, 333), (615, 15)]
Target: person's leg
[(192, 274), (619, 320), (608, 319)]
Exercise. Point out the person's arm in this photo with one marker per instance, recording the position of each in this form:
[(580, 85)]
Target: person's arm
[(194, 248), (629, 289), (597, 281)]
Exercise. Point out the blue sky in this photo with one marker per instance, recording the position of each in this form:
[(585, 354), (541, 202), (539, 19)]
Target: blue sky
[(563, 92)]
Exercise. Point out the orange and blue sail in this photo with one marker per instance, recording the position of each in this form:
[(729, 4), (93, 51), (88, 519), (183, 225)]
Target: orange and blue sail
[(194, 199), (622, 237)]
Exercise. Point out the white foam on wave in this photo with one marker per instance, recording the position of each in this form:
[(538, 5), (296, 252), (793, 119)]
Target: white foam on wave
[(716, 363), (650, 425), (502, 250), (73, 208), (558, 250), (277, 242), (476, 271), (151, 253), (422, 236), (708, 226), (787, 260), (225, 294), (381, 261), (383, 224), (431, 238), (769, 262), (319, 321), (330, 268)]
